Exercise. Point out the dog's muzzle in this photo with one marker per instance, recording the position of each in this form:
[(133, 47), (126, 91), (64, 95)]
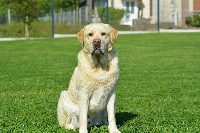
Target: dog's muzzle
[(97, 47)]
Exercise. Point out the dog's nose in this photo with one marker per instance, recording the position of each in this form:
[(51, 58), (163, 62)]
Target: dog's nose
[(97, 43)]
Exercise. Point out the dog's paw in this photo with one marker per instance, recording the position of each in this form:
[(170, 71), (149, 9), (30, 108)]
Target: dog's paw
[(114, 131), (70, 127), (83, 131)]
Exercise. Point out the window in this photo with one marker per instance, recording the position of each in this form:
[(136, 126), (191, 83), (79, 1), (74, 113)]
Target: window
[(132, 7), (127, 6)]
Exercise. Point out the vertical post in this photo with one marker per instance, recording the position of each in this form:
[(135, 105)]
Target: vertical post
[(107, 16), (77, 8), (52, 13), (158, 16), (89, 11)]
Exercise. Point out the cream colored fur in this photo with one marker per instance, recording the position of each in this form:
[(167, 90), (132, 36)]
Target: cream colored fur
[(90, 98)]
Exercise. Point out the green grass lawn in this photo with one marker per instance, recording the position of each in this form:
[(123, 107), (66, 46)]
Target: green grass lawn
[(158, 91)]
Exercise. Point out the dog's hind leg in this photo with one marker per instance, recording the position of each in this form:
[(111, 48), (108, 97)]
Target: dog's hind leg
[(66, 117), (63, 116)]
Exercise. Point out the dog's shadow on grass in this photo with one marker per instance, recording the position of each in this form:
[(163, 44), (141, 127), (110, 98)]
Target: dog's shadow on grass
[(123, 117)]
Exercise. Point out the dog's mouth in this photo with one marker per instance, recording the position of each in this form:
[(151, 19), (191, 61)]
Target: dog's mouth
[(97, 51)]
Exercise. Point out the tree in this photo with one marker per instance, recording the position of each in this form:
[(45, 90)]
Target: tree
[(3, 11), (28, 11)]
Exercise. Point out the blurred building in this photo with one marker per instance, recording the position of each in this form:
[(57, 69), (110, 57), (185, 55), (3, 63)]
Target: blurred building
[(171, 11)]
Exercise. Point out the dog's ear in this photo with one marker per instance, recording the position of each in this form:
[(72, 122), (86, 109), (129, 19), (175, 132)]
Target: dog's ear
[(113, 34), (80, 35)]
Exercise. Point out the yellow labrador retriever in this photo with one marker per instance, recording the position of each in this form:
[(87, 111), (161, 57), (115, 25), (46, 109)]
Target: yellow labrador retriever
[(90, 98)]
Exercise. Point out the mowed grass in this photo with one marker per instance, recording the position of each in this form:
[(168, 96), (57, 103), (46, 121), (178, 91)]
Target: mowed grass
[(158, 91)]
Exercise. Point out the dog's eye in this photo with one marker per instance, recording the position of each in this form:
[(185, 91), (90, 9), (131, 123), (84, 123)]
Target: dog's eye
[(90, 34), (103, 33)]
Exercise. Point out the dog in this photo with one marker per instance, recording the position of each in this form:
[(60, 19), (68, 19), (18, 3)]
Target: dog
[(90, 98)]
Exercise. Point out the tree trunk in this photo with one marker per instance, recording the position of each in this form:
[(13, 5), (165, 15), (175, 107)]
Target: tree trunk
[(26, 32), (9, 17)]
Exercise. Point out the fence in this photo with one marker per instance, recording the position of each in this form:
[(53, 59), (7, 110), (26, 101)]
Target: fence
[(139, 16)]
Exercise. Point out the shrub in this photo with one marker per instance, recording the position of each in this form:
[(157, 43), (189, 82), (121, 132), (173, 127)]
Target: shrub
[(193, 21), (14, 29), (38, 29), (188, 21), (115, 15), (196, 20)]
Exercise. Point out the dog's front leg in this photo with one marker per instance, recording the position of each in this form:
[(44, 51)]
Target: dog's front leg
[(83, 110), (111, 113)]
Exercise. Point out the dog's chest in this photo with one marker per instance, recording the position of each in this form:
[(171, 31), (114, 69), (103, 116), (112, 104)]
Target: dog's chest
[(98, 100), (103, 86)]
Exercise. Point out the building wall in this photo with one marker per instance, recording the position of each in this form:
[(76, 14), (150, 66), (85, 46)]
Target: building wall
[(116, 3), (191, 6), (185, 10), (178, 4), (164, 11), (188, 9), (170, 10), (146, 10), (182, 9)]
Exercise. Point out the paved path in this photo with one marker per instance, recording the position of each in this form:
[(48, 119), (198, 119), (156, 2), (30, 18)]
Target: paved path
[(120, 32), (140, 32)]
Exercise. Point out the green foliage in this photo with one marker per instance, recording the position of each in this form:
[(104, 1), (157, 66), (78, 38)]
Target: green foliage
[(158, 90), (44, 7), (43, 29), (3, 11), (3, 7), (27, 10), (38, 29), (115, 15), (32, 9), (188, 21), (14, 29), (65, 5), (194, 20)]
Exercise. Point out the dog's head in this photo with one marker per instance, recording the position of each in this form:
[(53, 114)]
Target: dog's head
[(97, 38)]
